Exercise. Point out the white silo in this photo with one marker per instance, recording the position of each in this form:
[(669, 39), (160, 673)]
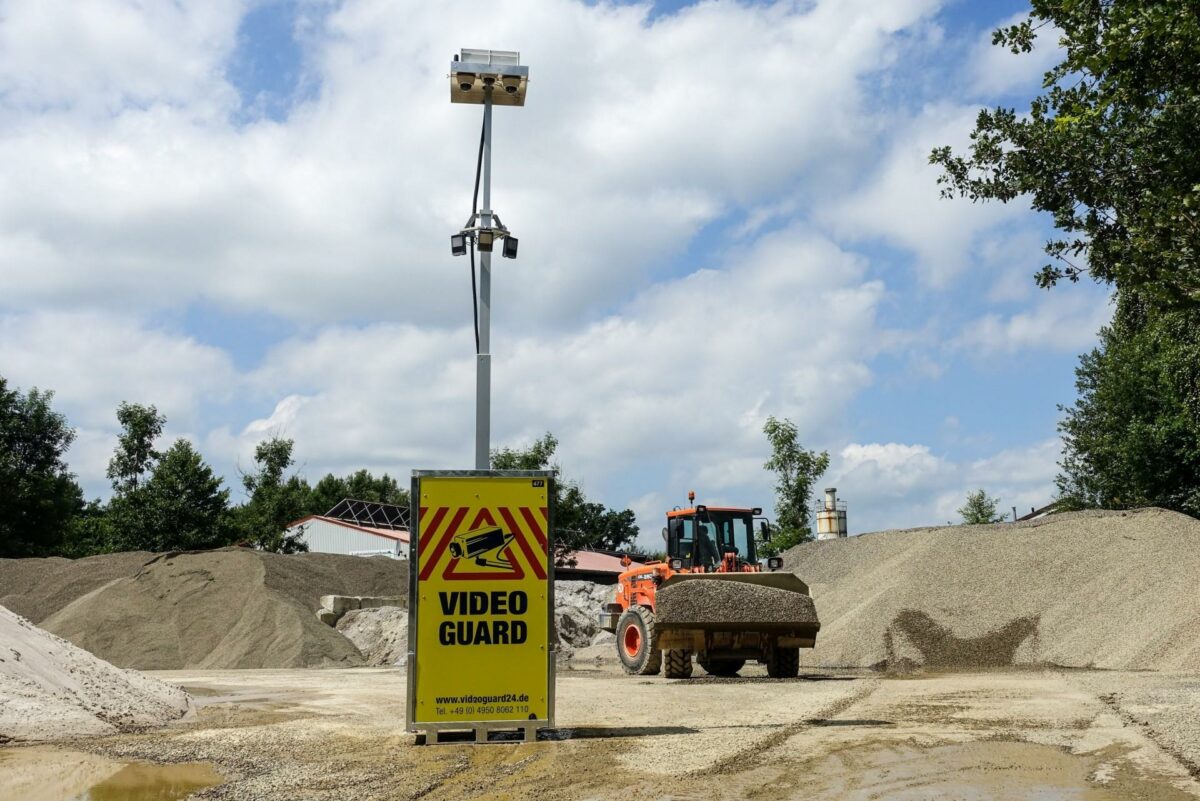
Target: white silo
[(831, 516)]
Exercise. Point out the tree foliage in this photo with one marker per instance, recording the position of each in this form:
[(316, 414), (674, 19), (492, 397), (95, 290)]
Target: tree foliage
[(38, 495), (1110, 149), (579, 522), (360, 485), (275, 499), (980, 508), (796, 471), (135, 453), (1132, 438)]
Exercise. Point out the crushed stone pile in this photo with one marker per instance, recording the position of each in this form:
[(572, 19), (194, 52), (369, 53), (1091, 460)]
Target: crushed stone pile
[(716, 602), (380, 634), (1111, 590), (51, 689), (228, 608), (577, 606)]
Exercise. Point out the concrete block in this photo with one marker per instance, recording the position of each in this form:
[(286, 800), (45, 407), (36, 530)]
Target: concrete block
[(328, 617), (339, 604), (367, 602)]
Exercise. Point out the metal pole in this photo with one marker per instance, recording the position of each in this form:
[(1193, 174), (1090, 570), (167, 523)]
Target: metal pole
[(483, 362)]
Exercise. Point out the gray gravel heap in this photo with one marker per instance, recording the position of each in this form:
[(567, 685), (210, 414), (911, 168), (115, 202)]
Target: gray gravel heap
[(1113, 590), (719, 602)]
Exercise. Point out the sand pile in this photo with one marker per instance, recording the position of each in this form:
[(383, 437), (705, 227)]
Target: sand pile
[(37, 588), (379, 633), (50, 689), (712, 602), (1088, 589), (230, 608)]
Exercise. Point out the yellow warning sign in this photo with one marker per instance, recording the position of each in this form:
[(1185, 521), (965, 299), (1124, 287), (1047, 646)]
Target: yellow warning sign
[(481, 608)]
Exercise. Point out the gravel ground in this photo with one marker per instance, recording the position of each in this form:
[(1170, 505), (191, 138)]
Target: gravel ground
[(1113, 590), (305, 735), (1165, 705)]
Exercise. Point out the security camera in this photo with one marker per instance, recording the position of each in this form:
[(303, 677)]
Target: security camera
[(511, 84), (465, 81), (489, 80)]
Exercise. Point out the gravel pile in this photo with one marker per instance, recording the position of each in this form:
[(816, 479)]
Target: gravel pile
[(1113, 590), (50, 689), (230, 608), (715, 602), (380, 634)]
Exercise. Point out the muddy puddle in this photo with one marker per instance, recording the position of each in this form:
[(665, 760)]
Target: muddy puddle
[(51, 774), (976, 771)]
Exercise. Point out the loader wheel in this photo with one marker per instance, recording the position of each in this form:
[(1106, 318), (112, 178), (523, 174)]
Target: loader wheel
[(678, 663), (721, 667), (637, 642), (783, 663)]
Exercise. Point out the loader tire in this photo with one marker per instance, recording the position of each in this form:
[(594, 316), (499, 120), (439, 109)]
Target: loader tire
[(637, 642), (678, 663), (721, 667), (783, 663)]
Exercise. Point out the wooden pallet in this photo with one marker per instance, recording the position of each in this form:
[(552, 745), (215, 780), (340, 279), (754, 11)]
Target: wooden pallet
[(480, 735)]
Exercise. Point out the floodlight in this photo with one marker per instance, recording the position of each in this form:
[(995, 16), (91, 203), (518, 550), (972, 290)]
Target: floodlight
[(491, 68), (510, 247), (458, 244), (485, 239)]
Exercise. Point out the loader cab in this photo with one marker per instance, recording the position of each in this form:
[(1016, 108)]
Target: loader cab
[(701, 536)]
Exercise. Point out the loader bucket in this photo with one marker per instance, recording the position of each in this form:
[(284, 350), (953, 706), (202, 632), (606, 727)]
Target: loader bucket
[(767, 603)]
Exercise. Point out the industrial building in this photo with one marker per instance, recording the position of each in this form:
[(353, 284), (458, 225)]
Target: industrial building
[(356, 528)]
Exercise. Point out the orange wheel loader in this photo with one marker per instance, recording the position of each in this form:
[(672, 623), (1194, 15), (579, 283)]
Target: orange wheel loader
[(708, 544)]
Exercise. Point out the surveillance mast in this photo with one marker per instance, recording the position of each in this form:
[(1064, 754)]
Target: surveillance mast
[(475, 77)]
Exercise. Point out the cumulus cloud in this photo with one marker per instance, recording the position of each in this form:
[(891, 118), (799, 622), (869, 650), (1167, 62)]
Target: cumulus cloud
[(901, 203), (1064, 321), (95, 360), (682, 378), (638, 131), (895, 485), (995, 70), (137, 187)]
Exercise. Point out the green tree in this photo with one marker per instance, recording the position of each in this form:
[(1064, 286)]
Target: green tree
[(274, 499), (361, 485), (796, 471), (579, 522), (38, 495), (187, 504), (89, 532), (1132, 438), (1109, 149), (135, 454), (980, 508)]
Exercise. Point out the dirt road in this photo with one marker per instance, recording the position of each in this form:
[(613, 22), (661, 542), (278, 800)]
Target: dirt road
[(337, 734)]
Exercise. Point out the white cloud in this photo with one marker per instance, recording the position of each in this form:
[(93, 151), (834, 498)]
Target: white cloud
[(1065, 321), (995, 70), (894, 485), (681, 378), (95, 360), (636, 134), (99, 55), (901, 203)]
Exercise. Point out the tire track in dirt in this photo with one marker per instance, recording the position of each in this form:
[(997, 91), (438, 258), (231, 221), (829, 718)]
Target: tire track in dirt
[(754, 756)]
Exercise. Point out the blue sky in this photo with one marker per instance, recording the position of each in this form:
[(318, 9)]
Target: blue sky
[(238, 211)]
